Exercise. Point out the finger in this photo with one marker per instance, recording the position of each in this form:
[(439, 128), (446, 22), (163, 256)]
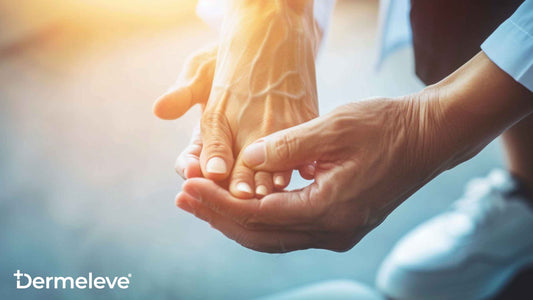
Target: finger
[(307, 171), (193, 87), (188, 162), (242, 182), (290, 210), (282, 179), (264, 241), (216, 158), (263, 184), (193, 168), (287, 149)]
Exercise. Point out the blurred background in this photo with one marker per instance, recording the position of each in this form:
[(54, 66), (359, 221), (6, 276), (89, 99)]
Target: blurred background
[(86, 171)]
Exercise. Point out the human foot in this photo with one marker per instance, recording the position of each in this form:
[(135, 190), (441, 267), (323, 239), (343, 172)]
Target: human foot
[(264, 81)]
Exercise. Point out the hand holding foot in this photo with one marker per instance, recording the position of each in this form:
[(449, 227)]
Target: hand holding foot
[(259, 80)]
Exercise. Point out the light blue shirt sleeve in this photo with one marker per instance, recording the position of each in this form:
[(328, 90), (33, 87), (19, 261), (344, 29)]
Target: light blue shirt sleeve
[(510, 47), (394, 28)]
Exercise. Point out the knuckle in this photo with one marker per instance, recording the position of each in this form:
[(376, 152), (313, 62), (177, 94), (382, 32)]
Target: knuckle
[(242, 172), (217, 147), (215, 132), (284, 147), (212, 120)]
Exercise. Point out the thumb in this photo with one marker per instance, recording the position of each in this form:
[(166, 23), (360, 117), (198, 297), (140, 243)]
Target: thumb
[(286, 149)]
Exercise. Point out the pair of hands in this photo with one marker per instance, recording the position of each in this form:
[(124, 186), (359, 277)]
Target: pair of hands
[(258, 81), (361, 153), (365, 158)]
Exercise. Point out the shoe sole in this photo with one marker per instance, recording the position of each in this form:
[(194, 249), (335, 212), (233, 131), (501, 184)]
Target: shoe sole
[(501, 280)]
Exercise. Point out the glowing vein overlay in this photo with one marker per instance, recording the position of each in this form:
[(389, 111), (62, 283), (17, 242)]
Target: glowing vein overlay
[(273, 61)]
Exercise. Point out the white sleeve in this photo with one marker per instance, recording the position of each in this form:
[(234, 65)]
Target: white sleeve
[(212, 12), (510, 46), (323, 10)]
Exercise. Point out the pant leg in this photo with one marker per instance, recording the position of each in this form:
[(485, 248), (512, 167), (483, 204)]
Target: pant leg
[(447, 33)]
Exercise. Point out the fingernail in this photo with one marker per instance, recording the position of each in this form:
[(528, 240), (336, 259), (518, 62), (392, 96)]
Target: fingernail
[(243, 187), (254, 154), (216, 165), (261, 190), (279, 180)]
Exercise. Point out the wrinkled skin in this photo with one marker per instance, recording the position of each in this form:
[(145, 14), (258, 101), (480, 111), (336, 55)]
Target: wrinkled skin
[(356, 151), (258, 80), (368, 157)]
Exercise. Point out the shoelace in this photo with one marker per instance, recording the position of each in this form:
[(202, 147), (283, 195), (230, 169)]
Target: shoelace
[(483, 198)]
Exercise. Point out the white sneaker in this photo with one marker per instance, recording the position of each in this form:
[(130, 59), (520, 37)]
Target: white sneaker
[(468, 252)]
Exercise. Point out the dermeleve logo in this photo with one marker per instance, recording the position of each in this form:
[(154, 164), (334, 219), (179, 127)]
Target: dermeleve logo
[(25, 281)]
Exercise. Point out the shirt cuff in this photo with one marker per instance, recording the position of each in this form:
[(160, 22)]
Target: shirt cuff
[(510, 47)]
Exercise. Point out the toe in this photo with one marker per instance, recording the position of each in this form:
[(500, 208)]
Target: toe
[(242, 181), (263, 184), (281, 179)]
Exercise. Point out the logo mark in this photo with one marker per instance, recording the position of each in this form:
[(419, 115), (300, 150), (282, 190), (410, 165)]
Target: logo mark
[(25, 281)]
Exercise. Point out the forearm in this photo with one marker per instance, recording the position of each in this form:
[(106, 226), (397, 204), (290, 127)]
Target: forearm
[(476, 104)]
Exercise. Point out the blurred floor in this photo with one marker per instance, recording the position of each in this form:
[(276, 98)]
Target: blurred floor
[(87, 174)]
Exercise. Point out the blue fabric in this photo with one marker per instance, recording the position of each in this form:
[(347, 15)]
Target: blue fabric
[(395, 27), (510, 47)]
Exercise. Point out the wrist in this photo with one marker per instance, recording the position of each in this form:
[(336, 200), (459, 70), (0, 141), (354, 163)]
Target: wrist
[(477, 103), (428, 139)]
